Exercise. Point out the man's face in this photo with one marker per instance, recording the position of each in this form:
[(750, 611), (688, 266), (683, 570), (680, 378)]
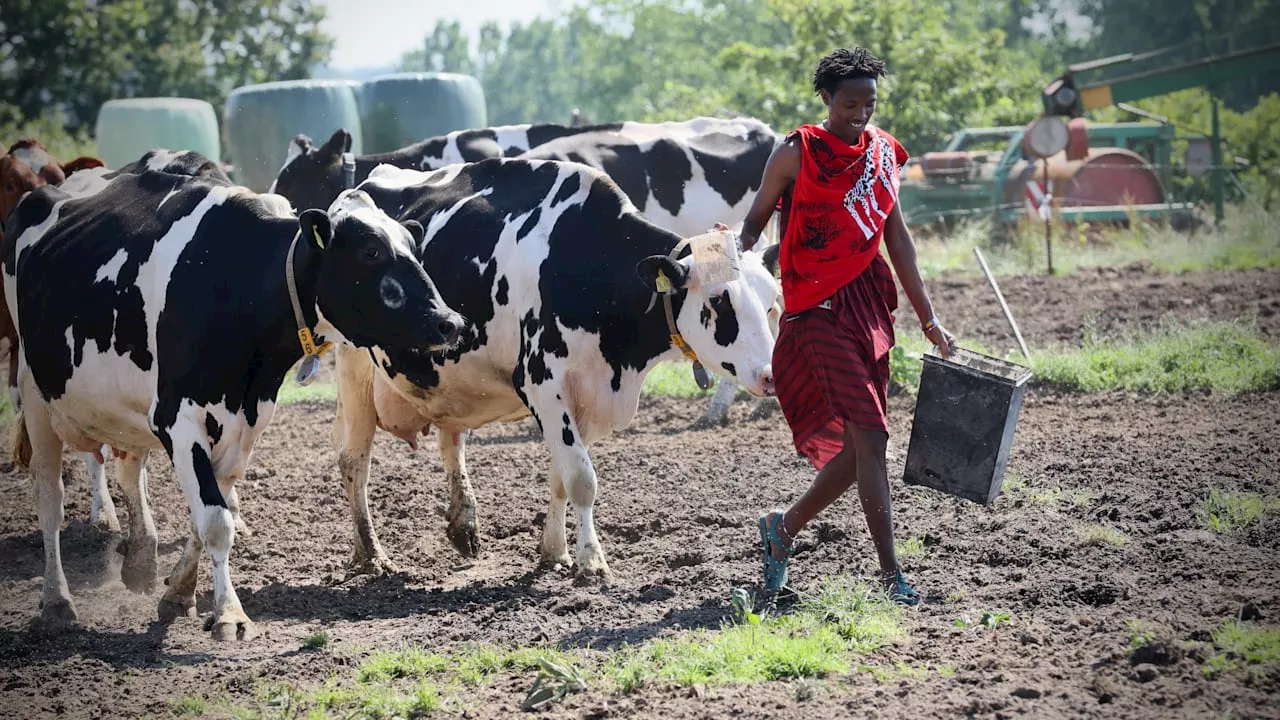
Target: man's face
[(851, 107)]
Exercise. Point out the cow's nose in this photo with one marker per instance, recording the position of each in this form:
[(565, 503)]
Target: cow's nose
[(766, 380), (449, 329)]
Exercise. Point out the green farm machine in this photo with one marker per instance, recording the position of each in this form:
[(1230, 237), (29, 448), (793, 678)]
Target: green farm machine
[(1103, 172)]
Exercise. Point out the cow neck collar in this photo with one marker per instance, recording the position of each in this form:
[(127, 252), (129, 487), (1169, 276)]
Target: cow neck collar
[(666, 290), (310, 351)]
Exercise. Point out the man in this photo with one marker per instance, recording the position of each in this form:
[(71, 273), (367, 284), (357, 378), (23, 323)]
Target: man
[(838, 186)]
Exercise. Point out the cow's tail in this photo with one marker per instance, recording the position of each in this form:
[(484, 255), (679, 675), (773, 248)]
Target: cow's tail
[(21, 443)]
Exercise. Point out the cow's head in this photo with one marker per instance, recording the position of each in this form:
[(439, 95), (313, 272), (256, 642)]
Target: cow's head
[(311, 176), (27, 166), (726, 324), (371, 286)]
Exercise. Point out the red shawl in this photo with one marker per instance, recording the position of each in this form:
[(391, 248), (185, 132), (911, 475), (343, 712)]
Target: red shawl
[(839, 205)]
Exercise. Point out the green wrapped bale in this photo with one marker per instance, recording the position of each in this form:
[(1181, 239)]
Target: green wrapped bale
[(261, 120), (402, 108), (127, 129)]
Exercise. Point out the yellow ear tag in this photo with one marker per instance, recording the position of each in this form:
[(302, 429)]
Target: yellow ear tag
[(662, 283), (319, 242), (309, 346)]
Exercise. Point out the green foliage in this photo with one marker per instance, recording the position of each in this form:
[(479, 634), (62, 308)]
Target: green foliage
[(77, 54), (815, 641), (1221, 358), (1230, 513), (988, 620), (674, 379), (61, 142), (316, 641), (1244, 644)]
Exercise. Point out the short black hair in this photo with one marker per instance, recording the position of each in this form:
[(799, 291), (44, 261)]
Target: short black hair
[(845, 64)]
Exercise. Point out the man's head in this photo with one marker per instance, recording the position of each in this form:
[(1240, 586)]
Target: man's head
[(846, 82)]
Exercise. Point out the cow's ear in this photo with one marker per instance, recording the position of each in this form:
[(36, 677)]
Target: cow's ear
[(317, 228), (417, 231), (339, 143), (649, 268), (770, 257)]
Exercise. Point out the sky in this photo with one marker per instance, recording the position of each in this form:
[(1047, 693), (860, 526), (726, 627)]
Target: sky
[(375, 33)]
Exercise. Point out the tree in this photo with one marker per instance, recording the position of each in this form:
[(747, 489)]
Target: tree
[(945, 70), (77, 54), (446, 49)]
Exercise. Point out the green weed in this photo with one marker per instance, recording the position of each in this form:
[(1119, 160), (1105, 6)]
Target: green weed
[(1101, 535), (1230, 513), (1220, 357), (1240, 645), (910, 548), (316, 641)]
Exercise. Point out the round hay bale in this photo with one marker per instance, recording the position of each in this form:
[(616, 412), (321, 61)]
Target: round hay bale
[(402, 108), (261, 120), (127, 129)]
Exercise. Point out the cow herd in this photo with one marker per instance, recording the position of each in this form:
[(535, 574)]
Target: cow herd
[(486, 276)]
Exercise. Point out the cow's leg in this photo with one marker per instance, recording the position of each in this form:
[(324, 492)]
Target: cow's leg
[(717, 413), (353, 427), (56, 608), (102, 510), (765, 408), (15, 398), (555, 548), (138, 572), (180, 599), (462, 530), (233, 504), (569, 459), (214, 523)]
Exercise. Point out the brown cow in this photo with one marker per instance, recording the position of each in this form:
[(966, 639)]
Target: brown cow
[(26, 166)]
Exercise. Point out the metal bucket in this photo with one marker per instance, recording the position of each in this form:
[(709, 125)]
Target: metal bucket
[(966, 412)]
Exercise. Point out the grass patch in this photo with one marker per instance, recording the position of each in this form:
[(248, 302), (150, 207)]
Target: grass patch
[(1246, 240), (820, 637), (1101, 536), (816, 640), (912, 547), (1221, 358), (189, 706), (1230, 513), (1141, 633), (316, 641), (1076, 497), (1244, 645)]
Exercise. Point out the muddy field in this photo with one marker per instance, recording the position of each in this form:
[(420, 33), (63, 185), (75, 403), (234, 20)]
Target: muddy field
[(676, 515)]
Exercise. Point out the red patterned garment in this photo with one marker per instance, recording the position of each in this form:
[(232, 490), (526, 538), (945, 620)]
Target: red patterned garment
[(831, 359)]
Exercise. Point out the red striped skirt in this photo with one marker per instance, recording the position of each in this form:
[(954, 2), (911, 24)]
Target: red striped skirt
[(831, 364)]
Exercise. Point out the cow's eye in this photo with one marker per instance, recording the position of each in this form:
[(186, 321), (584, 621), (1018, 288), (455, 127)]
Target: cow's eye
[(372, 253), (717, 303)]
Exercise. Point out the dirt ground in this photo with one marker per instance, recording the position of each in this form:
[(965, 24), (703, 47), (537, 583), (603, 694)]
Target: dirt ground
[(676, 514)]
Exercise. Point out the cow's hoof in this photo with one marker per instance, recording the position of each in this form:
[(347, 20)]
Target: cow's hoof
[(379, 566), (556, 561), (464, 537), (231, 625), (764, 409), (138, 573), (593, 570), (711, 421), (171, 609), (57, 615), (241, 528), (105, 521)]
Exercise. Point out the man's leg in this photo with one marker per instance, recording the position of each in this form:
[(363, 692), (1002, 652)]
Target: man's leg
[(873, 490), (832, 481)]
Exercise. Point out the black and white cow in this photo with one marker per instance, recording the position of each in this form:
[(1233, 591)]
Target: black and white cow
[(173, 324), (555, 271), (683, 176)]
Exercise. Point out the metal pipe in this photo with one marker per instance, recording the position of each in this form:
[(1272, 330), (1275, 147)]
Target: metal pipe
[(1003, 305)]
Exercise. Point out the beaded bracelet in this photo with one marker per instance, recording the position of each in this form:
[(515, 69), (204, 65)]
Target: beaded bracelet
[(931, 324)]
